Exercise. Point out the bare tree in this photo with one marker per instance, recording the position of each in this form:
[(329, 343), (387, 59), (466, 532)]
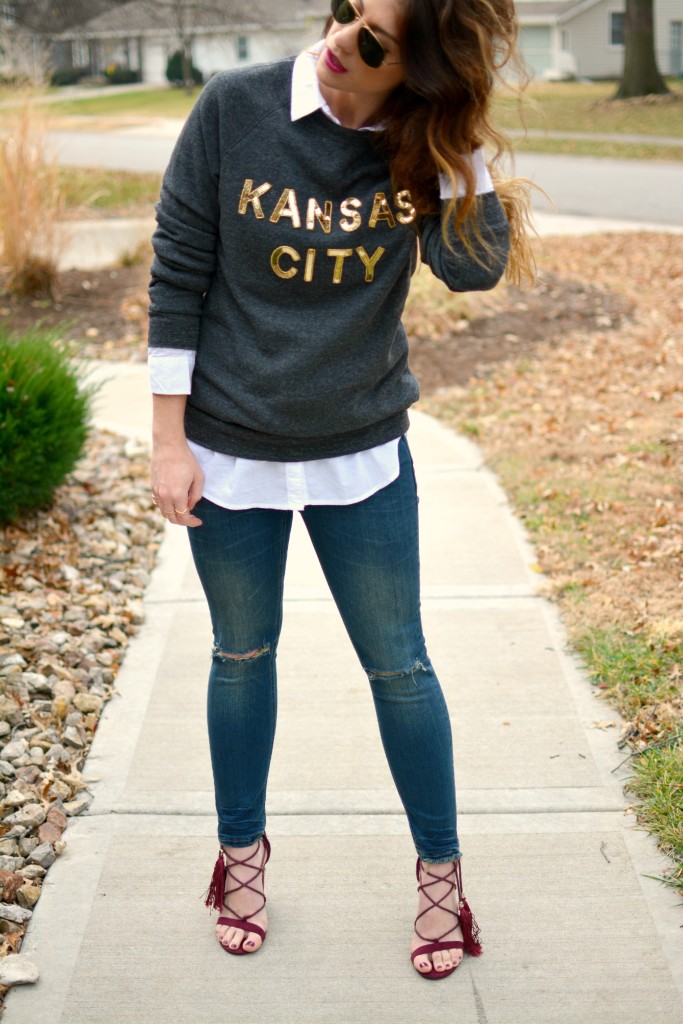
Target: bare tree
[(641, 75), (49, 17), (183, 16), (28, 30)]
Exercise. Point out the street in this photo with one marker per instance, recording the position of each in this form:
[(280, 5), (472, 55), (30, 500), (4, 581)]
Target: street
[(635, 190)]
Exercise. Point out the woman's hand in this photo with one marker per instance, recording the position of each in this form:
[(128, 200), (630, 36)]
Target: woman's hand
[(177, 482)]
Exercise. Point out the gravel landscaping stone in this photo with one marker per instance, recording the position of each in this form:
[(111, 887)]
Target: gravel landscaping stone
[(70, 601), (44, 855), (10, 912), (16, 969), (31, 815)]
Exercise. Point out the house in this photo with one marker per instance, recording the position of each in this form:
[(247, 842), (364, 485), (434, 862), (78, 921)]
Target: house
[(140, 36), (561, 38), (22, 53), (558, 38)]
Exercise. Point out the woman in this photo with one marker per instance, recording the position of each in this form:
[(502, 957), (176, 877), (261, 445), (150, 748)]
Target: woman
[(287, 230)]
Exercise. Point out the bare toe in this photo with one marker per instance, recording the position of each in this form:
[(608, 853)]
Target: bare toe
[(232, 938), (422, 963)]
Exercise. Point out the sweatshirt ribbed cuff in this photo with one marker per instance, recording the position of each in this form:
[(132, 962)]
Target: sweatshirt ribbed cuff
[(173, 330)]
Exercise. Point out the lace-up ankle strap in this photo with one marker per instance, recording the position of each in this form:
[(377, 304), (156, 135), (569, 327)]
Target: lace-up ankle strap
[(224, 870), (453, 879), (449, 880)]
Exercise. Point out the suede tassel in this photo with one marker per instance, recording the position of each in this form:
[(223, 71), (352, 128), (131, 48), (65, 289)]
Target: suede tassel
[(214, 894), (470, 928)]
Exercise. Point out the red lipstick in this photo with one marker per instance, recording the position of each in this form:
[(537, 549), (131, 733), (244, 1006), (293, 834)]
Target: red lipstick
[(332, 63)]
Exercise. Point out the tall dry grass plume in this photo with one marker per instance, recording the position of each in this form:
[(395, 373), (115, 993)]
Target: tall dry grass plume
[(31, 201)]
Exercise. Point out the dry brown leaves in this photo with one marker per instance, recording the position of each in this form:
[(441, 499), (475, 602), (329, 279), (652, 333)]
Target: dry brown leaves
[(587, 436)]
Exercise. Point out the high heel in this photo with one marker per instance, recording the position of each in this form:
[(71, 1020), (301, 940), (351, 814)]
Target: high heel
[(216, 898), (470, 928)]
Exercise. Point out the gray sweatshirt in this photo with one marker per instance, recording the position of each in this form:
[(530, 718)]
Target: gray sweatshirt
[(283, 257)]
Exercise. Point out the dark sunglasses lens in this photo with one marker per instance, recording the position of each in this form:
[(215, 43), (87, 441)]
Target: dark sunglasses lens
[(343, 12), (371, 50)]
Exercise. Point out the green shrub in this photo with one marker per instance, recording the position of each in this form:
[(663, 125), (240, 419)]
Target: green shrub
[(44, 412), (68, 76), (174, 70), (117, 75)]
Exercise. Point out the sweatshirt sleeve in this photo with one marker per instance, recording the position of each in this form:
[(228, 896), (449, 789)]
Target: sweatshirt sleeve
[(454, 265), (187, 226)]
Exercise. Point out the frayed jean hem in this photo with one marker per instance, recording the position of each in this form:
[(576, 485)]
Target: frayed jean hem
[(240, 843), (439, 860)]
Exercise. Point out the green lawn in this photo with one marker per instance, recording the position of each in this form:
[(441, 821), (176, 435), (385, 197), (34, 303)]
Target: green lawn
[(583, 107), (162, 102), (108, 192), (586, 147)]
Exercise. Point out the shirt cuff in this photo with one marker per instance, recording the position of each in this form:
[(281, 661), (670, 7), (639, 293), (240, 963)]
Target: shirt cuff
[(170, 370), (482, 184)]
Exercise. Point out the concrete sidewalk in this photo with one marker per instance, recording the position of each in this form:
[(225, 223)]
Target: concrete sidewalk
[(554, 869)]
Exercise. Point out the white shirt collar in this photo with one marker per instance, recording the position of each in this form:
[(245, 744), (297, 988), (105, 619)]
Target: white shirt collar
[(306, 95)]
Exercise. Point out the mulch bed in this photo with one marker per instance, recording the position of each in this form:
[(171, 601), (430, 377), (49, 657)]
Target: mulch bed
[(452, 338)]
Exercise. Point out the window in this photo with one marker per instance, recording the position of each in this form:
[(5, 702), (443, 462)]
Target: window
[(80, 53), (242, 44), (7, 16), (617, 21), (676, 32), (676, 37)]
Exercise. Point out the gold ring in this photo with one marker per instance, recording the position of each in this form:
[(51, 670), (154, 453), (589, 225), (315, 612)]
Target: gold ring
[(184, 511)]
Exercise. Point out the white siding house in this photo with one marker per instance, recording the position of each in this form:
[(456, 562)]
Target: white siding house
[(586, 37), (140, 38)]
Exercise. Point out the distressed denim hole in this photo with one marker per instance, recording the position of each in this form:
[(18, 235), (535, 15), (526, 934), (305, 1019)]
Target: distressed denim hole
[(418, 666), (247, 656)]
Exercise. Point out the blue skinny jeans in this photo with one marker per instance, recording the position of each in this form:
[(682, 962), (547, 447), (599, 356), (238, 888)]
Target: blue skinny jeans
[(369, 555)]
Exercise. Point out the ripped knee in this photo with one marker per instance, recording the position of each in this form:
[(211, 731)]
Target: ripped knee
[(258, 652), (417, 666)]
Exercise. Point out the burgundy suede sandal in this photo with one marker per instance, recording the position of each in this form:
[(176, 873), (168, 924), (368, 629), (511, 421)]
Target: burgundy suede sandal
[(216, 898), (470, 928)]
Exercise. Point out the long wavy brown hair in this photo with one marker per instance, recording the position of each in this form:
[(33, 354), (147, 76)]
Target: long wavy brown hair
[(453, 52)]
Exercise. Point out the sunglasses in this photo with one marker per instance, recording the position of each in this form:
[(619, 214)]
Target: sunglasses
[(371, 50)]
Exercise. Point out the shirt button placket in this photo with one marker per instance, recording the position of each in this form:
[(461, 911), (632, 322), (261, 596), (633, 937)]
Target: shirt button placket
[(297, 492)]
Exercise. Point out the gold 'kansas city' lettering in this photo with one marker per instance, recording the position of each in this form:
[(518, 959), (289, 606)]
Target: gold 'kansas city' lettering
[(253, 195), (350, 217), (287, 207), (284, 250), (370, 262), (381, 211), (404, 203), (323, 217), (310, 264), (338, 255)]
